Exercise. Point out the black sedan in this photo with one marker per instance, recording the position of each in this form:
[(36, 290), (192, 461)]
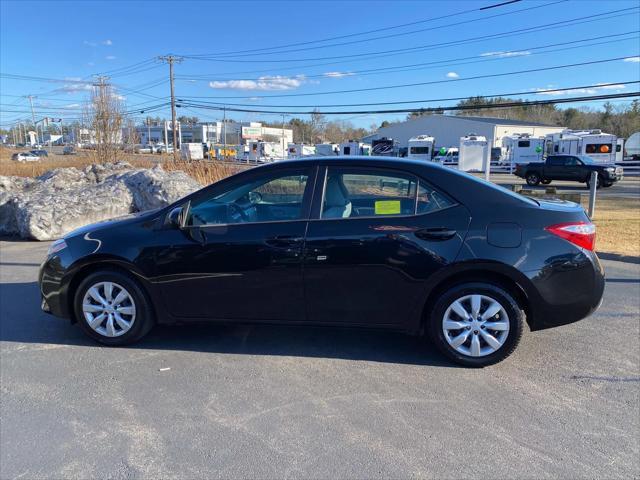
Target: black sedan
[(361, 242)]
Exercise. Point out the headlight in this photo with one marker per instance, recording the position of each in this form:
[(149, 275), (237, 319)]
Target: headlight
[(611, 170), (56, 246)]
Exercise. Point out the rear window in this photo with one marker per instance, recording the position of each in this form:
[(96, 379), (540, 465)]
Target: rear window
[(524, 143)]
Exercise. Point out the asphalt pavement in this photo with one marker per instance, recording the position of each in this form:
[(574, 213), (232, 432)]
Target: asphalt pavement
[(300, 402)]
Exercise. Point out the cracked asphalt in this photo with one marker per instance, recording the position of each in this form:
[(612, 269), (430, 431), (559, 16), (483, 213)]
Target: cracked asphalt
[(273, 402)]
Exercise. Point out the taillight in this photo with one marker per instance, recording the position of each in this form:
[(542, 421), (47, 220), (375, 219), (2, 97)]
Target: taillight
[(582, 234)]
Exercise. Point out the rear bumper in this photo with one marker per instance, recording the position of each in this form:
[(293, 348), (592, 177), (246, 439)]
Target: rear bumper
[(569, 290)]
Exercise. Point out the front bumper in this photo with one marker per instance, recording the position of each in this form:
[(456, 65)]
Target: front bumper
[(53, 291)]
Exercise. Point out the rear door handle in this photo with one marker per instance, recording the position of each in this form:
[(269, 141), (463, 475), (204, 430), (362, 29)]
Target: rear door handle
[(284, 240), (437, 233)]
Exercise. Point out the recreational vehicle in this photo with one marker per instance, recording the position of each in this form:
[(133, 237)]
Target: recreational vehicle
[(191, 151), (260, 151), (593, 143), (632, 146), (298, 150), (384, 147), (421, 147), (447, 156), (355, 148), (522, 148), (326, 149), (474, 153)]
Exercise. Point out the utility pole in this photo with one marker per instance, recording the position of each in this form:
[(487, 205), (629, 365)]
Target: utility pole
[(224, 131), (171, 59), (33, 116), (284, 149)]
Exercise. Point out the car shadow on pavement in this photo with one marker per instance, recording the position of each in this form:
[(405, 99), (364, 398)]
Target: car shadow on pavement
[(22, 321)]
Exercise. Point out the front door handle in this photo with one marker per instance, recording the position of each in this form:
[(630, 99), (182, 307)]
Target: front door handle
[(437, 233)]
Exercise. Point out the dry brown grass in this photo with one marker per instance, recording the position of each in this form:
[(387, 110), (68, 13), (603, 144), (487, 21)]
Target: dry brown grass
[(618, 225), (204, 172)]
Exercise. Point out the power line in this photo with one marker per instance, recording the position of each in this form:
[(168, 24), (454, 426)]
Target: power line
[(437, 109), (588, 18), (433, 82), (351, 35), (524, 51), (386, 37), (511, 94)]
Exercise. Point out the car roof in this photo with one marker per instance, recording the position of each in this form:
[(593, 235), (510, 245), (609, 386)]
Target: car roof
[(360, 159)]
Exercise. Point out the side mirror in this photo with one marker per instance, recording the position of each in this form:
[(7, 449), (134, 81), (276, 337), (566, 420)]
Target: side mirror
[(176, 217)]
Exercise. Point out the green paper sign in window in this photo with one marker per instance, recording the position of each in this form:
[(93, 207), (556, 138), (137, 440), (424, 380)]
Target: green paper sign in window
[(387, 207)]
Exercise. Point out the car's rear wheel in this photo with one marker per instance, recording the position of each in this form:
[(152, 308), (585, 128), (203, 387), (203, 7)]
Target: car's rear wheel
[(112, 308), (532, 179), (476, 324)]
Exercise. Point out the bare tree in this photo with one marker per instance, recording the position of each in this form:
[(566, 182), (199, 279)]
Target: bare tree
[(105, 117)]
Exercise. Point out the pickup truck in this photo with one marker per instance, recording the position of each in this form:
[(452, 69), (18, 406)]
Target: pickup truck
[(575, 168)]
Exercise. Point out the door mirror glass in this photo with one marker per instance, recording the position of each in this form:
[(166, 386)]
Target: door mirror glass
[(175, 217)]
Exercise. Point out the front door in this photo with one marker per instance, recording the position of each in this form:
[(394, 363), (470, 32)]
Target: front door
[(239, 255), (374, 243)]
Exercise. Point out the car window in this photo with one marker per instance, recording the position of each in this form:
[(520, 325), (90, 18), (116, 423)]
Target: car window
[(571, 161), (431, 200), (275, 197), (556, 161), (351, 193)]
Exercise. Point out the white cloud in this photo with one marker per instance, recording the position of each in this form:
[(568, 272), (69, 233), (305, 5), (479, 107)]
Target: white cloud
[(452, 75), (589, 91), (72, 105), (90, 44), (107, 42), (505, 54), (76, 87), (632, 59), (110, 57), (263, 83), (91, 64), (118, 96), (338, 74)]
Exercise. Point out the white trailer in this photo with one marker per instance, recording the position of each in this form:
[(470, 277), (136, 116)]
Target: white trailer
[(474, 153), (191, 151), (355, 148), (593, 143), (298, 150), (632, 146), (421, 147), (447, 156), (266, 151), (522, 148), (327, 149)]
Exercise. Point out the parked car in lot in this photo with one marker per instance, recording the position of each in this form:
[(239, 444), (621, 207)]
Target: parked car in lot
[(68, 150), (40, 153), (575, 168), (350, 241), (25, 157)]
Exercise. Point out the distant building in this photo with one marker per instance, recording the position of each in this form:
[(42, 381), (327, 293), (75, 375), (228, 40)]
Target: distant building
[(447, 129), (212, 133)]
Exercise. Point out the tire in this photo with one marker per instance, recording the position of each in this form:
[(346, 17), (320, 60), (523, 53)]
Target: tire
[(509, 314), (598, 182), (135, 308), (532, 179), (607, 184), (546, 182)]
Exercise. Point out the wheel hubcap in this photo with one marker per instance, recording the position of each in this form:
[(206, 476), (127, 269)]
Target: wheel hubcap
[(475, 325), (109, 309)]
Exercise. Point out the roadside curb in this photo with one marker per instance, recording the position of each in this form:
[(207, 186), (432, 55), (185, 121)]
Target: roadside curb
[(619, 257)]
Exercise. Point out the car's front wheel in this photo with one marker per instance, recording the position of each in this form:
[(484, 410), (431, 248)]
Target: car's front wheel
[(476, 324), (112, 308), (532, 179)]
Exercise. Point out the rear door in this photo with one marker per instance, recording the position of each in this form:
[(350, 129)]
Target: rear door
[(554, 168), (375, 237)]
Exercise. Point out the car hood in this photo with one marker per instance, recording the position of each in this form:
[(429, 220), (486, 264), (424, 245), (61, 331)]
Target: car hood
[(113, 222)]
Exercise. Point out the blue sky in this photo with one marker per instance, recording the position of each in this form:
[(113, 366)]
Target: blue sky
[(69, 42)]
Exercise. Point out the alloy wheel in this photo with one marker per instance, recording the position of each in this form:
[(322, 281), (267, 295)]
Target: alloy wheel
[(475, 325), (109, 309)]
